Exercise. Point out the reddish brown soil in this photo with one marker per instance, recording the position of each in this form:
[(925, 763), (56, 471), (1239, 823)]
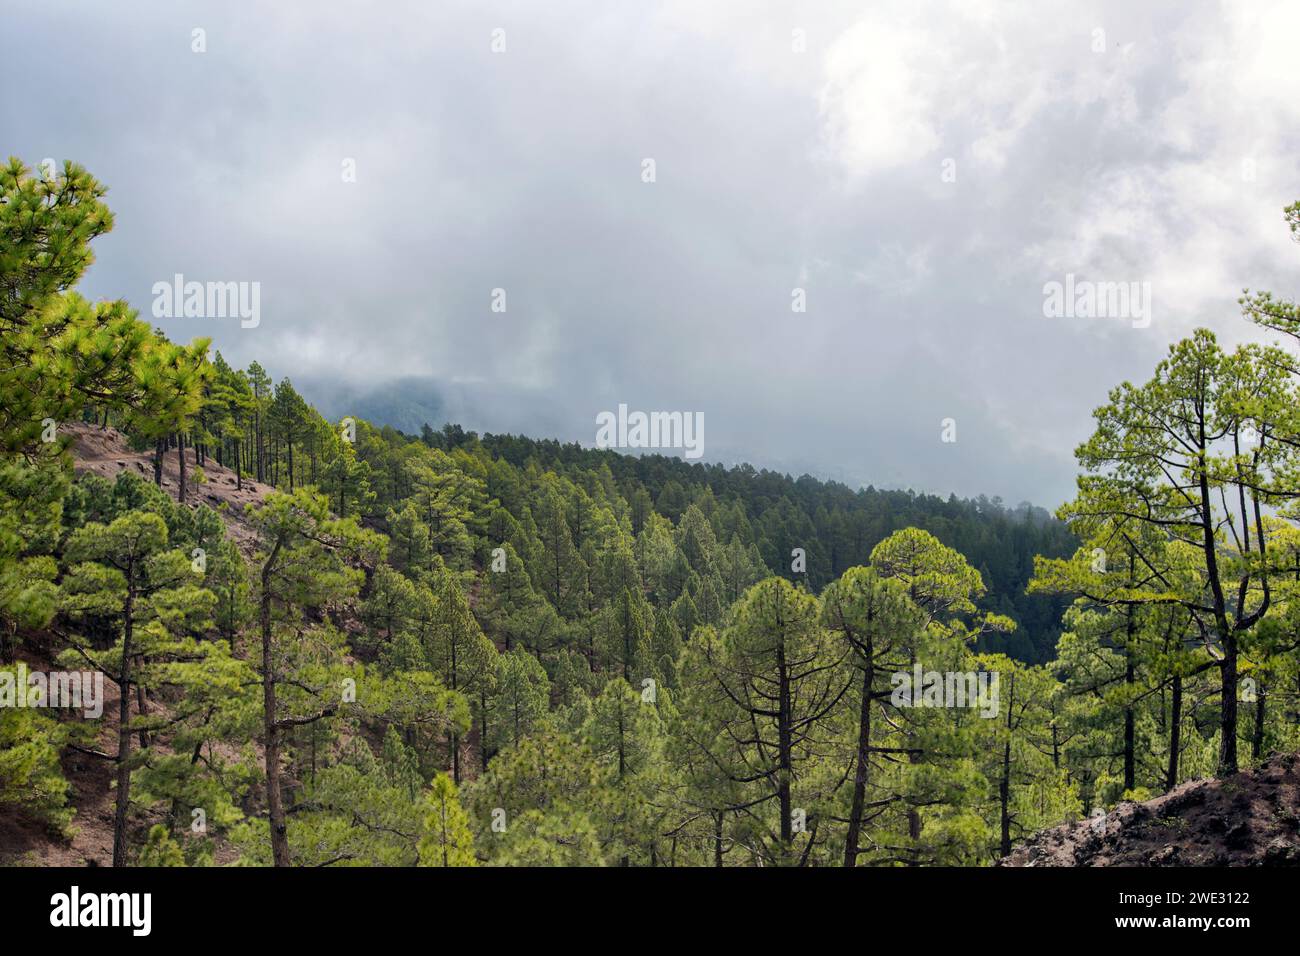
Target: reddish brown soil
[(1248, 819), (105, 452), (25, 842)]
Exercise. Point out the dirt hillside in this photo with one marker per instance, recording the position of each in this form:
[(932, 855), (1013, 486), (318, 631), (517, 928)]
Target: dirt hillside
[(1248, 819), (105, 452)]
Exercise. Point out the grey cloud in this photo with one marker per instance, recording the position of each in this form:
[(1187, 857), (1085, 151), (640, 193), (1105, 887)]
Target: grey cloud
[(521, 171)]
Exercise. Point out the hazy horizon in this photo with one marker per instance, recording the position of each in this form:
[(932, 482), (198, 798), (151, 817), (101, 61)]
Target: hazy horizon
[(917, 178)]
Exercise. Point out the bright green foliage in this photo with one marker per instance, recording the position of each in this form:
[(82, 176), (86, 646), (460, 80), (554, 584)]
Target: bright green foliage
[(161, 849), (626, 739), (761, 693), (58, 352), (447, 840), (1177, 477), (561, 656), (521, 698), (533, 805), (31, 780), (346, 482)]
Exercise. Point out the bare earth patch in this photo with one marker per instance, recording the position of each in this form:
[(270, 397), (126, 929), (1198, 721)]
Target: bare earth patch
[(105, 452), (1249, 819)]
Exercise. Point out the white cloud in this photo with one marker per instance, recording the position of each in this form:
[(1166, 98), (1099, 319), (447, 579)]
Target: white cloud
[(881, 97), (821, 169)]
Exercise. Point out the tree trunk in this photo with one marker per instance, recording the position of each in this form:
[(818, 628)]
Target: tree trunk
[(1130, 757), (483, 728), (862, 768), (913, 815), (1257, 737), (1175, 732), (1228, 666), (124, 729), (180, 458), (1228, 708), (274, 805), (785, 748), (142, 710), (1004, 785)]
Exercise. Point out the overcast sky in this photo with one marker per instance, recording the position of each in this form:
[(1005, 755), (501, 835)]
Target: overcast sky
[(1165, 157)]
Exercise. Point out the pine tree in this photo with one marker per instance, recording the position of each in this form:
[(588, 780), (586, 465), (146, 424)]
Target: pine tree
[(624, 642), (447, 840), (124, 573), (459, 652), (1174, 457), (558, 571), (626, 739), (300, 564), (58, 352), (31, 779), (877, 624), (534, 804), (760, 694), (346, 482), (521, 699)]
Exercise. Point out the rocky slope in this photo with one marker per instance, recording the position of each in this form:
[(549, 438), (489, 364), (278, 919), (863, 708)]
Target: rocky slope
[(105, 452), (1249, 819)]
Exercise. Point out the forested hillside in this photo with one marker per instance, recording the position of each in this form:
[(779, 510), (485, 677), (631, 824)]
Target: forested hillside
[(455, 649), (836, 526)]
